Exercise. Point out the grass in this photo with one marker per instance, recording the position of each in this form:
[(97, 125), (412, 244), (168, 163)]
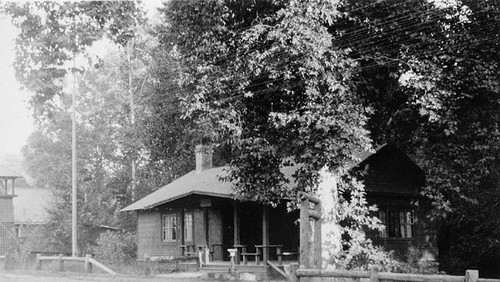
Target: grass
[(74, 269)]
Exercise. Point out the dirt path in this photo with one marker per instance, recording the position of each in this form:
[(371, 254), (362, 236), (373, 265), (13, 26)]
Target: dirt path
[(74, 277)]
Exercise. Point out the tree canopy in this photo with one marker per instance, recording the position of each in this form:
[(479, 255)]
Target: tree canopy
[(52, 33)]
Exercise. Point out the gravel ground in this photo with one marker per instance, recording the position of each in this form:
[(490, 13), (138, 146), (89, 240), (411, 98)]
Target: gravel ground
[(73, 277)]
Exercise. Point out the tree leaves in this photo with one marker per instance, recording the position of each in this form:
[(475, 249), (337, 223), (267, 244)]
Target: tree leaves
[(51, 33)]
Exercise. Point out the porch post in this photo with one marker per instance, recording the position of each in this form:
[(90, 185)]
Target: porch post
[(236, 229), (265, 234), (183, 240), (304, 233), (205, 216)]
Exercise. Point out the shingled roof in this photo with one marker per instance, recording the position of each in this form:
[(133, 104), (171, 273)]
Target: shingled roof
[(6, 172), (205, 182)]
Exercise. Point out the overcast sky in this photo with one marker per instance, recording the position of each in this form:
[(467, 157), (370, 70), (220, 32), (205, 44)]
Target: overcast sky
[(15, 116)]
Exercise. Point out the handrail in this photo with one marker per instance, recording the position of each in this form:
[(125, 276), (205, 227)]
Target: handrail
[(101, 266), (374, 275), (278, 270), (87, 260)]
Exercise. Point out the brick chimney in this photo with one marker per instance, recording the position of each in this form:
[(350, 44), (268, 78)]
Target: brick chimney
[(203, 157)]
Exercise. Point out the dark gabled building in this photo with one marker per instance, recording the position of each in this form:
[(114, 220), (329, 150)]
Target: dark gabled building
[(393, 182)]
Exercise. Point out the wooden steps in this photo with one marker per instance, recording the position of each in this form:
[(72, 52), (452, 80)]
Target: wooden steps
[(249, 272)]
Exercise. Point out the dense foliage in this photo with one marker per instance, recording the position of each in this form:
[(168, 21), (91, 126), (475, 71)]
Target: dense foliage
[(114, 247), (431, 76)]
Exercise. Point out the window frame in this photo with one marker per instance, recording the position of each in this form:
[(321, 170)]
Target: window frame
[(399, 223), (190, 228), (173, 227)]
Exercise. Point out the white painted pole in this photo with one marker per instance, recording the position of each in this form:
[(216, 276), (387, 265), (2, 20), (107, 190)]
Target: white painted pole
[(74, 246)]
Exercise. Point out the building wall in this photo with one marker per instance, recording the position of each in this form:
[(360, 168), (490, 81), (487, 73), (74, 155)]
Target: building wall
[(6, 209), (215, 233), (149, 239), (393, 181), (7, 230), (419, 250)]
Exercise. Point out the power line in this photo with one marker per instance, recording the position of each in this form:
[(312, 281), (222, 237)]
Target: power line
[(407, 25)]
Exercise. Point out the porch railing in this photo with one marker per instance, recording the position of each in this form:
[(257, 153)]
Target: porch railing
[(303, 275)]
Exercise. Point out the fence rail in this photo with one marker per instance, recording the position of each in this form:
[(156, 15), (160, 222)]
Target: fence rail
[(87, 260), (374, 275)]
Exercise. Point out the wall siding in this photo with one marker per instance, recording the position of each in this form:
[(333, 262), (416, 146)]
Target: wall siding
[(199, 227), (215, 233), (6, 209), (392, 181), (420, 249), (7, 230), (149, 237)]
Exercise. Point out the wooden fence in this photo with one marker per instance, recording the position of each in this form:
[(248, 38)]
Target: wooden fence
[(87, 260), (302, 275)]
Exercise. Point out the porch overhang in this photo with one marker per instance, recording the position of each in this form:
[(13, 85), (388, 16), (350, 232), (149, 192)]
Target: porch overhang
[(134, 207)]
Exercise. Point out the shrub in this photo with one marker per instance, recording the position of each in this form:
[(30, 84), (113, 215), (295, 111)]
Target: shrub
[(115, 247)]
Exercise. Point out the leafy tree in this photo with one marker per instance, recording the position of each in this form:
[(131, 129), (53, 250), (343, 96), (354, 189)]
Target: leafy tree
[(105, 142), (281, 80), (265, 80), (429, 72), (53, 32)]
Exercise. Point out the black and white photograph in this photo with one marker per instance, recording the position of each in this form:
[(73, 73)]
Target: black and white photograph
[(250, 140)]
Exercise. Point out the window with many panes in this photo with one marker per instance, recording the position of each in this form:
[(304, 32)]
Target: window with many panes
[(170, 231), (188, 226), (398, 223)]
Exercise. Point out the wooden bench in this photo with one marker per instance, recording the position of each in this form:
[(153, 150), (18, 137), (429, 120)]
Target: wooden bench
[(245, 254), (279, 254), (189, 250)]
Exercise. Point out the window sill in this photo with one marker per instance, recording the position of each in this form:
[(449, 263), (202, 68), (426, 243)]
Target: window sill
[(170, 243), (394, 239)]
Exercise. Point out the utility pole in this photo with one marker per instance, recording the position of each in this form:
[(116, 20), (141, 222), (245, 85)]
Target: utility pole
[(74, 237), (131, 117)]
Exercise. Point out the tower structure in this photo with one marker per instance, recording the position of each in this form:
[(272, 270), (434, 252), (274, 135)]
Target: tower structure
[(7, 193)]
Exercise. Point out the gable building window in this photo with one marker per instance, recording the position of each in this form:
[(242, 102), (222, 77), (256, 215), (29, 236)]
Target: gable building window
[(169, 230), (398, 223), (171, 227), (188, 227)]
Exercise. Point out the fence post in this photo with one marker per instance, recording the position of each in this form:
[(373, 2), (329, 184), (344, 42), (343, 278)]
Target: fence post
[(374, 274), (147, 265), (317, 239), (304, 233), (471, 275), (61, 263), (7, 262), (38, 262), (88, 265), (293, 272)]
